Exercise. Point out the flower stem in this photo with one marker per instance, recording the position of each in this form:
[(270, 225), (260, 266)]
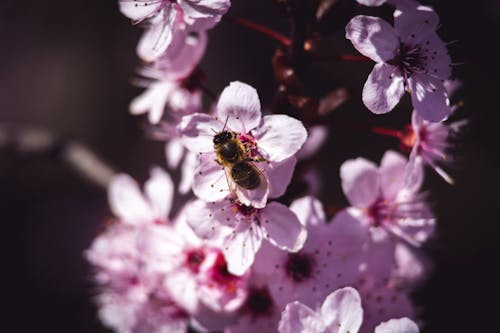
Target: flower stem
[(259, 28), (387, 132)]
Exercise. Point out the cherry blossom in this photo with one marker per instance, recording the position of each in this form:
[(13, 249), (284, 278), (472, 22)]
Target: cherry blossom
[(383, 200), (341, 312), (401, 325), (170, 21), (242, 229), (328, 260), (410, 56), (270, 143)]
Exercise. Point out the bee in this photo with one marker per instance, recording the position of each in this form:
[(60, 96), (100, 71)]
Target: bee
[(232, 155)]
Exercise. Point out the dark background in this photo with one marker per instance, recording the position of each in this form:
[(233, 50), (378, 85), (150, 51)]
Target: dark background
[(65, 66)]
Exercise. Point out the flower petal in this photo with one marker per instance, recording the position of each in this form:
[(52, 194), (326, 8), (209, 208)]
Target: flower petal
[(279, 137), (401, 325), (429, 97), (204, 14), (127, 202), (160, 191), (342, 310), (138, 11), (241, 246), (414, 22), (188, 169), (282, 227), (383, 88), (279, 176), (197, 132), (298, 317), (239, 105), (392, 174), (174, 151), (373, 37), (210, 220), (360, 181), (210, 183), (153, 100), (315, 139), (309, 211)]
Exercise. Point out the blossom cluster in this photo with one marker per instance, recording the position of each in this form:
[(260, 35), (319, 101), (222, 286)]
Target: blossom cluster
[(237, 257)]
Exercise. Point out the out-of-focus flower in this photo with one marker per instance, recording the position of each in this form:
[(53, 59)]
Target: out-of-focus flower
[(341, 312), (401, 325), (328, 260), (268, 142), (383, 200), (410, 56), (242, 229), (170, 21)]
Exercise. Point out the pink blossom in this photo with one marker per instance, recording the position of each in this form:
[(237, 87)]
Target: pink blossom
[(401, 325), (410, 56), (165, 82), (341, 312), (242, 228), (328, 260), (430, 143), (170, 21), (270, 143), (384, 202)]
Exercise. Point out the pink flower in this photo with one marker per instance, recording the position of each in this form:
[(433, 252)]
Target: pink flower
[(328, 260), (170, 21), (165, 82), (430, 143), (269, 143), (384, 202), (341, 312), (242, 229), (402, 325), (410, 57)]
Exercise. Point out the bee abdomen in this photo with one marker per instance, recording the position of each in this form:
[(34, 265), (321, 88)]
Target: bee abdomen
[(245, 175), (229, 151)]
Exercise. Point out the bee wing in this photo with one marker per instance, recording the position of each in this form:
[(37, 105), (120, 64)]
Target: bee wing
[(256, 197), (230, 182)]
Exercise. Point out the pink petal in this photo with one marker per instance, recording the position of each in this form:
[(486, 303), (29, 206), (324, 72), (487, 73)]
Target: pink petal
[(160, 191), (138, 11), (429, 97), (239, 105), (371, 3), (297, 318), (174, 151), (414, 22), (360, 181), (188, 169), (402, 325), (392, 174), (282, 228), (182, 287), (309, 211), (197, 132), (279, 137), (348, 234), (383, 88), (373, 37), (166, 34), (241, 246), (153, 100), (279, 175), (210, 182), (342, 311), (204, 14), (127, 202), (210, 220), (438, 62)]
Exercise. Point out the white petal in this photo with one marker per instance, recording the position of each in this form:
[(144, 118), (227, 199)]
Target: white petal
[(160, 191), (342, 310), (127, 201), (429, 97), (210, 182), (360, 181), (279, 176), (239, 105), (413, 22), (299, 318), (309, 211), (241, 246), (210, 220), (174, 150), (392, 174), (139, 10), (197, 132), (383, 88), (188, 169), (402, 325), (280, 137), (282, 228), (373, 37), (153, 100)]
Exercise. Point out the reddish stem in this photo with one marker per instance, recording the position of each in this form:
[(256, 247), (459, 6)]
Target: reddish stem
[(343, 57), (387, 132), (260, 28)]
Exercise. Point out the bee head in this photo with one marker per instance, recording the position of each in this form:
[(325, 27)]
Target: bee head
[(222, 137)]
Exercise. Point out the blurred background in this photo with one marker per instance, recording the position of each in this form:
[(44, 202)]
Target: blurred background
[(66, 67)]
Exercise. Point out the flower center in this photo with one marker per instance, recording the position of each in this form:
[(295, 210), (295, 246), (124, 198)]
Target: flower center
[(259, 302), (378, 212), (220, 275), (409, 60), (194, 258), (299, 266)]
